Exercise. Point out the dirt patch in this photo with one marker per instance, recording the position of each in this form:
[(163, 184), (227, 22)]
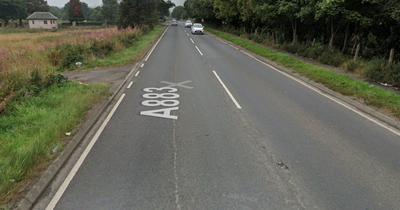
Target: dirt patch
[(110, 75)]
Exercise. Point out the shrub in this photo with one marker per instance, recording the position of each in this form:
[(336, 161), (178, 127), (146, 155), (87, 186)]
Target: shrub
[(331, 57), (350, 65), (376, 70), (315, 51)]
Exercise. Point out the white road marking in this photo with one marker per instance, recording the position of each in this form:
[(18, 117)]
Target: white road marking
[(78, 164), (344, 104), (192, 40), (187, 34), (142, 65), (155, 45), (234, 47), (170, 84), (199, 50), (137, 73), (227, 90), (130, 84)]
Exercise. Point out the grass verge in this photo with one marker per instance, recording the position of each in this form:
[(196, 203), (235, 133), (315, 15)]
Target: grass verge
[(32, 132), (372, 95), (130, 54)]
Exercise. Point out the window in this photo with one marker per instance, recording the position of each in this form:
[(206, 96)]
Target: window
[(45, 22)]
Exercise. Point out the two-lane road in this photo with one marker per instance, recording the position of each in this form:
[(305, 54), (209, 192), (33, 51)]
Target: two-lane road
[(203, 125)]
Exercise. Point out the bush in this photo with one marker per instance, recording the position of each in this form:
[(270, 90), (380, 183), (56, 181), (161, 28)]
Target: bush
[(315, 51), (91, 23), (331, 57), (376, 70)]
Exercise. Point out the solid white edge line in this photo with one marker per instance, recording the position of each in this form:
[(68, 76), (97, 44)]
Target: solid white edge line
[(147, 57), (137, 73), (199, 50), (227, 90), (340, 102), (192, 40), (130, 84), (78, 164)]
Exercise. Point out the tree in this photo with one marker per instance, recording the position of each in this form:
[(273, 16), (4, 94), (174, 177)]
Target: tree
[(37, 6), (177, 12), (110, 9), (12, 10), (227, 11), (75, 11), (97, 14), (137, 13), (86, 10), (56, 11), (163, 7)]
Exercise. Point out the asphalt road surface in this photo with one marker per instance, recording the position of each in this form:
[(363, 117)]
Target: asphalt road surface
[(204, 125)]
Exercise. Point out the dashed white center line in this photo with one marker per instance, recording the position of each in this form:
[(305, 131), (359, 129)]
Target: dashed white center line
[(199, 50), (192, 40), (130, 84), (187, 34), (227, 90), (137, 73), (142, 65)]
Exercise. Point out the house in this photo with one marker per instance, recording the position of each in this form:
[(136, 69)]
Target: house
[(44, 20)]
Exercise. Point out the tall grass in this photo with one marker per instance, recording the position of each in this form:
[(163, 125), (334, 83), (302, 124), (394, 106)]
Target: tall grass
[(371, 94), (22, 54), (42, 111), (36, 126)]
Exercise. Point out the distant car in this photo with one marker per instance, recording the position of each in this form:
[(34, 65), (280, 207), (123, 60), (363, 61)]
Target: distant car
[(174, 22), (197, 28), (188, 24)]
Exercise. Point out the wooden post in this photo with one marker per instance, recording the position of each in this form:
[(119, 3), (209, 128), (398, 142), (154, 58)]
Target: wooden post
[(391, 56)]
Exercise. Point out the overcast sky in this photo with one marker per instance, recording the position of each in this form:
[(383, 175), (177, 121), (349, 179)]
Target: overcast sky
[(94, 3)]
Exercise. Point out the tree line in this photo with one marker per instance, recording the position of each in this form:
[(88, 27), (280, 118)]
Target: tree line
[(126, 12), (368, 27), (73, 10)]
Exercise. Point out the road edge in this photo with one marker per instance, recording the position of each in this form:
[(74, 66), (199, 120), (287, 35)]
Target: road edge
[(33, 195), (374, 113)]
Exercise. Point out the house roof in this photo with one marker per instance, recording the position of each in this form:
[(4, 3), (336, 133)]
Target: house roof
[(42, 16)]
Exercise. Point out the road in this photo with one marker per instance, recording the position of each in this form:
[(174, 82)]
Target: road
[(204, 125)]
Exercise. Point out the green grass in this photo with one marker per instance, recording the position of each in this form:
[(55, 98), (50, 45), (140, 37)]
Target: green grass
[(372, 95), (130, 54), (36, 126), (30, 131)]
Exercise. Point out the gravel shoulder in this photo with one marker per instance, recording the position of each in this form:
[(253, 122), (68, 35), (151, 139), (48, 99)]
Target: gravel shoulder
[(110, 75)]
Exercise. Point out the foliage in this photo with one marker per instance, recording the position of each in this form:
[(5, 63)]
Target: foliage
[(110, 10), (41, 112), (178, 12), (56, 11), (163, 8), (97, 14), (75, 13), (12, 10), (37, 6), (134, 13), (338, 24), (36, 125)]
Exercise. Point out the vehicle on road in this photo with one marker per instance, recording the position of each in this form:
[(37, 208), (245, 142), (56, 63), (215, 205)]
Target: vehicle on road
[(188, 24), (174, 22), (197, 28)]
